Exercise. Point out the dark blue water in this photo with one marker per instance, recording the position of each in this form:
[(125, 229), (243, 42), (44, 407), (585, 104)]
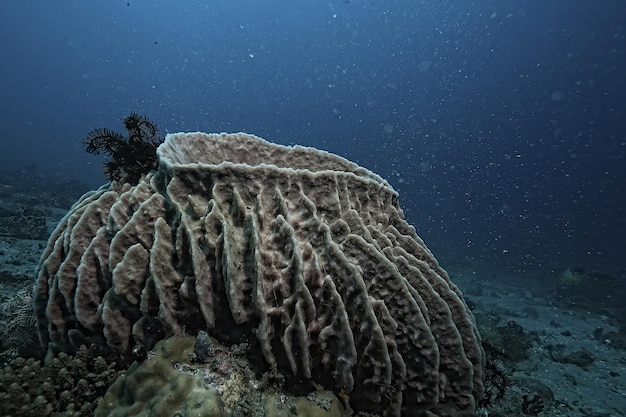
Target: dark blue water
[(500, 122)]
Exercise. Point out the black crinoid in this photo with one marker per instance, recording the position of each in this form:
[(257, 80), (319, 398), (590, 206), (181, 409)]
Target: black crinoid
[(130, 156), (496, 379)]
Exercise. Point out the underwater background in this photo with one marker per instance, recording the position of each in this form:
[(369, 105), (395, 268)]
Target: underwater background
[(502, 124)]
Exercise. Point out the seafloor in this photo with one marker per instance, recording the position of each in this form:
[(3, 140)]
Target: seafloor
[(559, 348)]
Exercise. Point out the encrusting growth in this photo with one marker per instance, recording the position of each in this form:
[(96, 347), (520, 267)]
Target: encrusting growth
[(302, 254)]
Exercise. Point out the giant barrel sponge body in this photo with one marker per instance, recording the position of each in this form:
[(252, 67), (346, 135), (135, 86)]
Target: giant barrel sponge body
[(299, 252)]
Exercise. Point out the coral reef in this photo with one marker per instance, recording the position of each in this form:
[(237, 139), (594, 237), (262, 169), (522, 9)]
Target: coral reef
[(18, 330), (301, 254), (508, 342), (170, 382), (69, 385), (131, 156), (523, 397), (23, 222)]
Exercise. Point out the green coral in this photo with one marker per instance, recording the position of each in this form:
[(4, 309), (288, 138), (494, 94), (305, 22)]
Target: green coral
[(156, 388), (570, 278), (170, 383)]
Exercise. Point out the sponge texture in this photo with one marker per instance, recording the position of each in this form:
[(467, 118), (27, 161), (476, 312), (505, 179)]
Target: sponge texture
[(296, 250)]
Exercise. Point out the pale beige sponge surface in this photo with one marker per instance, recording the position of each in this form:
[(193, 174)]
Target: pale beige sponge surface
[(302, 253)]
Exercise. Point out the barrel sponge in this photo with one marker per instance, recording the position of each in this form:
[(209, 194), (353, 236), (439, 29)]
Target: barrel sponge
[(296, 250)]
